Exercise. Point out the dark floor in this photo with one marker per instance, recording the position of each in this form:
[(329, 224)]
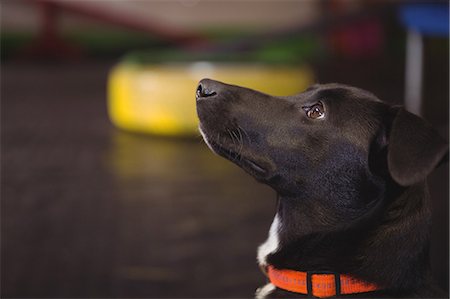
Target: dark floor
[(89, 211)]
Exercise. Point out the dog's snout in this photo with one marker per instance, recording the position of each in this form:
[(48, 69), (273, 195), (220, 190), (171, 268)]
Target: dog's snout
[(206, 89)]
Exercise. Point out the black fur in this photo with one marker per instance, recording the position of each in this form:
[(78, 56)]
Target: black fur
[(352, 194)]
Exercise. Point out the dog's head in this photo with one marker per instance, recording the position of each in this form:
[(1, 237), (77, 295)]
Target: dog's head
[(330, 141)]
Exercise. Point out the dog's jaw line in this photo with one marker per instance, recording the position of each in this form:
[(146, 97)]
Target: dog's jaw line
[(272, 243), (206, 139)]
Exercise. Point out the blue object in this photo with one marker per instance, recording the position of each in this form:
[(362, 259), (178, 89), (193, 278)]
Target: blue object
[(427, 19)]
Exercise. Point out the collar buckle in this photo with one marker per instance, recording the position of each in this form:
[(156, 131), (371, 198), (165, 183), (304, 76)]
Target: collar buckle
[(309, 283)]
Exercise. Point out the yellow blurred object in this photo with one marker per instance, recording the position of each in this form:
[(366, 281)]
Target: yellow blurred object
[(160, 98)]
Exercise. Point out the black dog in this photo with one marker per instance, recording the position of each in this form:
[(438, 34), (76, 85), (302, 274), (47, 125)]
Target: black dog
[(350, 172)]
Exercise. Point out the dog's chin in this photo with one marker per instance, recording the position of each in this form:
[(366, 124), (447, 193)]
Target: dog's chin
[(236, 157)]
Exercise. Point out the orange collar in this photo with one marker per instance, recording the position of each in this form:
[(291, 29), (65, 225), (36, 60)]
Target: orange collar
[(318, 284)]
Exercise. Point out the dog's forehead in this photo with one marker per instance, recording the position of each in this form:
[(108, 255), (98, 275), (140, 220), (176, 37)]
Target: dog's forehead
[(332, 91)]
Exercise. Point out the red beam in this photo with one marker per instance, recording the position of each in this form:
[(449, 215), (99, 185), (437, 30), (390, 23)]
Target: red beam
[(165, 32)]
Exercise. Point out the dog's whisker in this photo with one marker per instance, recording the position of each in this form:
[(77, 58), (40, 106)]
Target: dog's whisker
[(232, 132), (242, 132), (241, 142), (233, 136), (238, 136), (245, 133)]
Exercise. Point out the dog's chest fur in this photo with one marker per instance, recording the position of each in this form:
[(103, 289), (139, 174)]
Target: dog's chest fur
[(271, 245)]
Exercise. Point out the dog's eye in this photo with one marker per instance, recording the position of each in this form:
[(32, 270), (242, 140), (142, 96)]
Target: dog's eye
[(315, 111)]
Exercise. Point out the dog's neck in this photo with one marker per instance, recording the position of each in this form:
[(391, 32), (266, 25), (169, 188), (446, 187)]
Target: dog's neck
[(385, 247)]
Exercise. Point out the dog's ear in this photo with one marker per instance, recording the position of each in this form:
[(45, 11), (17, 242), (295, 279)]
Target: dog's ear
[(414, 148)]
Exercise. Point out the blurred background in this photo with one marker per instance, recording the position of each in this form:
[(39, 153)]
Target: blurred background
[(107, 189)]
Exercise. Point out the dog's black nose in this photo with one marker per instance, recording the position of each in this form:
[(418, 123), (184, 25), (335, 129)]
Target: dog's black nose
[(205, 89)]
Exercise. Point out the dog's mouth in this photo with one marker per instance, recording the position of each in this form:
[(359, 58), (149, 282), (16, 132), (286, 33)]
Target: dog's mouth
[(236, 157)]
